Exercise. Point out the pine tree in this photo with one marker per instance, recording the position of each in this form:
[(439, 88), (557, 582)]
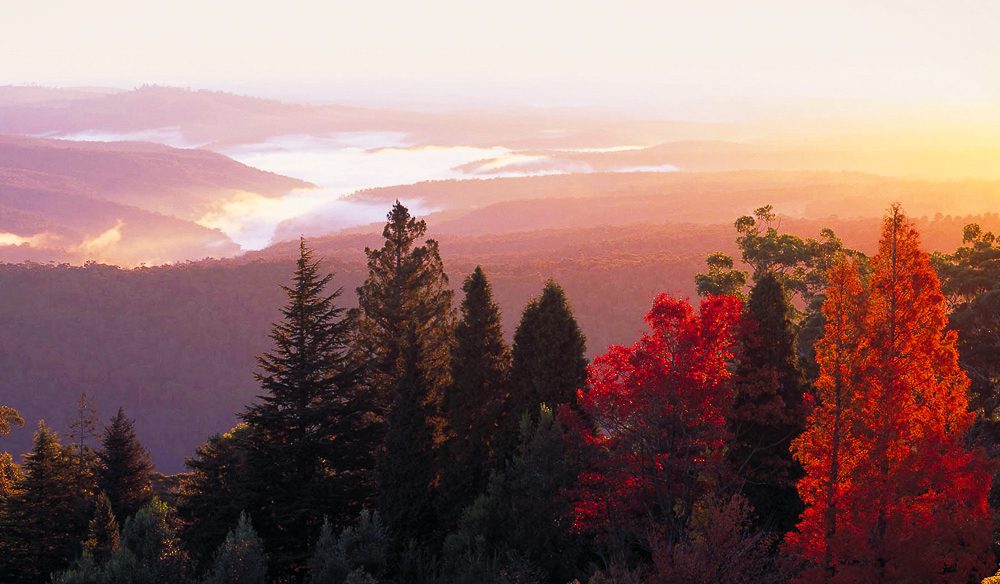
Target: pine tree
[(406, 467), (911, 500), (549, 365), (480, 365), (102, 531), (150, 551), (240, 559), (84, 430), (359, 550), (406, 287), (39, 532), (309, 449), (767, 408), (124, 467)]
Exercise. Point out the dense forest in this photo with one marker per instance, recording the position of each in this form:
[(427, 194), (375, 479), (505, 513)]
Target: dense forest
[(823, 414)]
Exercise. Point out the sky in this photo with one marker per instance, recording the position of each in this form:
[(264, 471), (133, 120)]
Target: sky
[(625, 53)]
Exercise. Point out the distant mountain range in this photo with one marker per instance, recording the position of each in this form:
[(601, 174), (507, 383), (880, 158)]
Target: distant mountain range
[(122, 202)]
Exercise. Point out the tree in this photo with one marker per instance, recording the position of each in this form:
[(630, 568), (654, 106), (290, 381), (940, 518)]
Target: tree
[(471, 408), (549, 365), (240, 559), (656, 424), (102, 531), (9, 417), (308, 453), (150, 552), (909, 500), (39, 531), (721, 277), (214, 492), (523, 513), (406, 467), (124, 467), (83, 430), (767, 410), (360, 550), (406, 287)]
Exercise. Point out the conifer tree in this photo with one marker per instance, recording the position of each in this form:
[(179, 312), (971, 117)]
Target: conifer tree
[(39, 531), (406, 467), (892, 492), (214, 492), (406, 287), (84, 430), (10, 476), (360, 550), (309, 452), (102, 531), (549, 365), (480, 365), (150, 550), (240, 559), (124, 468), (767, 410)]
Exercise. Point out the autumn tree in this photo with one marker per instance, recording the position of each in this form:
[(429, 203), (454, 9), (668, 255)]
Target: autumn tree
[(892, 493), (11, 476), (657, 428), (306, 435), (767, 408), (471, 408), (548, 356), (124, 468), (9, 418), (406, 287), (39, 530)]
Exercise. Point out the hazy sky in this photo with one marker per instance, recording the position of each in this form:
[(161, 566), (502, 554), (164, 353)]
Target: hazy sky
[(577, 52)]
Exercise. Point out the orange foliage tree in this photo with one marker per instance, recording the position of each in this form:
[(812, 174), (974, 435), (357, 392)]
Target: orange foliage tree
[(892, 493)]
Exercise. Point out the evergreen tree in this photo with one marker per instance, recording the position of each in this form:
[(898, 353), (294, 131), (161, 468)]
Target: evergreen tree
[(240, 559), (406, 467), (102, 532), (480, 365), (84, 430), (359, 550), (214, 492), (150, 552), (767, 410), (549, 365), (406, 287), (309, 449), (39, 531), (124, 467)]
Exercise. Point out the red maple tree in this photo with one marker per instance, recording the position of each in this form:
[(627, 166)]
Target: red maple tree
[(892, 494), (656, 424)]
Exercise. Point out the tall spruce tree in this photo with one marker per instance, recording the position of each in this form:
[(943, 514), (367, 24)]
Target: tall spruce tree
[(406, 287), (480, 365), (39, 531), (406, 467), (124, 468), (767, 412), (309, 454), (549, 365)]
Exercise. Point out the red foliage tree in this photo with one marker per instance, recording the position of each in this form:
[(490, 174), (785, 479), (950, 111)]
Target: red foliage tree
[(892, 494), (656, 423)]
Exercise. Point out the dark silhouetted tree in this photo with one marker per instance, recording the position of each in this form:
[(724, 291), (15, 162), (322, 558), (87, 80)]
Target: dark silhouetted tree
[(39, 529), (359, 551), (471, 407), (102, 531), (124, 468), (406, 467), (406, 287), (549, 365), (308, 453), (767, 410)]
